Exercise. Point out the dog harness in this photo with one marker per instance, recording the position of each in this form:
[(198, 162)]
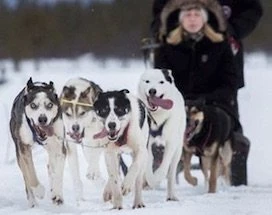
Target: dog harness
[(122, 139), (75, 103), (200, 146)]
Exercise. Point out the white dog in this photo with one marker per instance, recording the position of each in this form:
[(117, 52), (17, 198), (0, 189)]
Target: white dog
[(126, 126), (77, 98), (166, 106)]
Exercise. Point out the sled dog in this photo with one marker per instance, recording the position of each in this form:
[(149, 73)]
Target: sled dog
[(77, 98), (166, 107), (36, 119), (208, 136), (126, 126)]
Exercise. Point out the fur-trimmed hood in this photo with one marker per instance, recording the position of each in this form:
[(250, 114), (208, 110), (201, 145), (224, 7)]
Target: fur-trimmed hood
[(174, 5)]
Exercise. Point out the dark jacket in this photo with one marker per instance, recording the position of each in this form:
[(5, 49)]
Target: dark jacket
[(244, 17), (201, 69)]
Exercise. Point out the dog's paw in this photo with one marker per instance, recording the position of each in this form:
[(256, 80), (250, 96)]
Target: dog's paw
[(32, 203), (117, 208), (138, 205), (93, 175), (107, 194), (126, 187), (193, 181), (39, 191), (172, 198), (57, 200)]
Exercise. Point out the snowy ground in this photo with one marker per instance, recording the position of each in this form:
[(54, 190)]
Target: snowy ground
[(256, 114)]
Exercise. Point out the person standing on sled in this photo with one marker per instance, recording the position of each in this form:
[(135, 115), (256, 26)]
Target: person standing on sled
[(204, 66)]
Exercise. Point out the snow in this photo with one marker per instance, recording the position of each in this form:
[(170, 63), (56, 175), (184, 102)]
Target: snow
[(256, 114)]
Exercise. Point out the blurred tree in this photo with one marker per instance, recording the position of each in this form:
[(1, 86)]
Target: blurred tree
[(64, 29)]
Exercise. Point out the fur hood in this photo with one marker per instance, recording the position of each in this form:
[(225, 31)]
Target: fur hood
[(174, 5)]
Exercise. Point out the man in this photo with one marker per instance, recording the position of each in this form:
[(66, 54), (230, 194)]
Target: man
[(242, 18)]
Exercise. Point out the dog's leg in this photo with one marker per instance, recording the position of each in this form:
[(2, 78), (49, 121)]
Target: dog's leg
[(186, 158), (92, 156), (25, 162), (72, 157), (172, 176), (56, 155), (138, 202), (107, 194), (161, 173), (225, 154), (139, 159), (112, 163), (213, 174), (205, 167)]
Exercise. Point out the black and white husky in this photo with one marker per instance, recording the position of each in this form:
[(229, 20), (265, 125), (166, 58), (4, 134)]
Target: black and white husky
[(126, 126), (36, 118), (166, 106), (77, 98)]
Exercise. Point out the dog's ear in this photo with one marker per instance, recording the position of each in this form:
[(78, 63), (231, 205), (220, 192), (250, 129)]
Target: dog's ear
[(85, 93), (51, 86), (168, 75), (68, 92), (29, 84), (125, 91)]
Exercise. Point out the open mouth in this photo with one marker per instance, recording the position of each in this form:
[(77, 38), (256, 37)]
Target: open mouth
[(191, 129), (112, 134), (154, 102), (43, 131), (77, 136)]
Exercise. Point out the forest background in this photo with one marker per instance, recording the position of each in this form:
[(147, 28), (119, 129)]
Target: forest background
[(36, 29)]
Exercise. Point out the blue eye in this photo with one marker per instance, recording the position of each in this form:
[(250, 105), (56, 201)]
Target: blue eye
[(49, 105), (33, 106)]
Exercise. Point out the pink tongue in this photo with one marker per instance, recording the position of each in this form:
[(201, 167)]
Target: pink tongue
[(163, 103), (101, 134), (48, 130)]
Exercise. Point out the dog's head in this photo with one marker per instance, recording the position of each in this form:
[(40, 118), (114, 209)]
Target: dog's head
[(77, 98), (155, 89), (42, 107), (113, 108), (195, 118)]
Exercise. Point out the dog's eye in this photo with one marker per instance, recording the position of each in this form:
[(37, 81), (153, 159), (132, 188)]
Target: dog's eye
[(82, 113), (33, 106), (120, 111), (161, 82), (49, 105), (102, 113), (67, 114)]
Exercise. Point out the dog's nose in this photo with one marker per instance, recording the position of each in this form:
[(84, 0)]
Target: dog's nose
[(75, 127), (152, 92), (112, 125), (42, 120)]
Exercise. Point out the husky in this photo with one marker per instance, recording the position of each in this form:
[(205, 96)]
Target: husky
[(166, 107), (36, 119), (126, 126), (77, 99), (209, 136)]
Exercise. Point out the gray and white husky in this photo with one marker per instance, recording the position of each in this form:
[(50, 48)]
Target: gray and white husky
[(36, 119)]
